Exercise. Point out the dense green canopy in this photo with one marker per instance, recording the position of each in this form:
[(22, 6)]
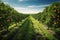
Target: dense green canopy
[(18, 26)]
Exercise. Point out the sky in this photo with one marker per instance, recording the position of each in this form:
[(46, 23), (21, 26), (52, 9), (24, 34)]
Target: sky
[(29, 6)]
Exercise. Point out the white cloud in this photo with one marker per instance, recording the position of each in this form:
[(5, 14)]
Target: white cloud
[(28, 10), (38, 5), (6, 2), (26, 0), (22, 0)]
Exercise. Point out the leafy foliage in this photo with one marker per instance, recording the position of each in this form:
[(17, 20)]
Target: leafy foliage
[(51, 15), (8, 15), (13, 27)]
